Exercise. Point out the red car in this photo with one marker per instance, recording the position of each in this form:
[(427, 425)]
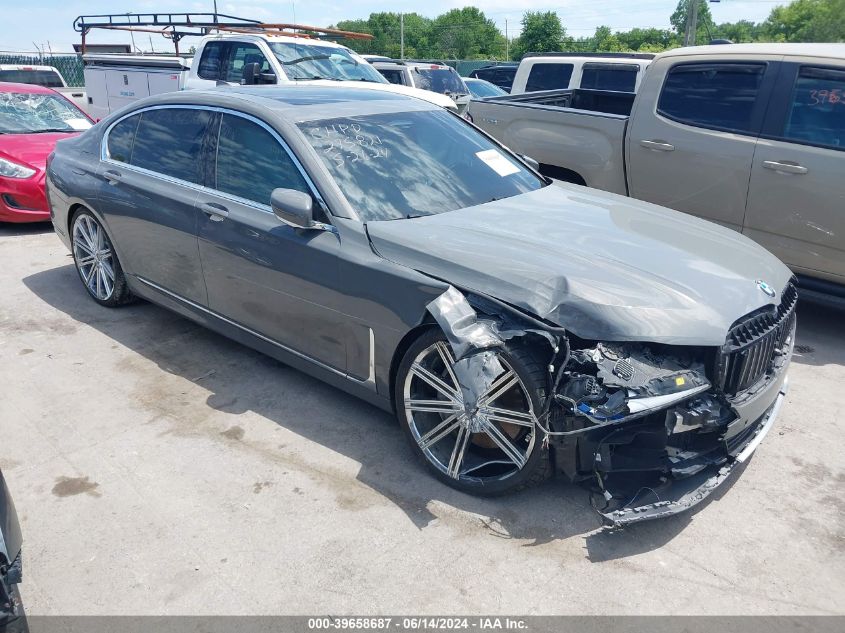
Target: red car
[(32, 120)]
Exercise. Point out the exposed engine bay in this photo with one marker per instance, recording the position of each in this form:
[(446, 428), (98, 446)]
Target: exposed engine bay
[(645, 426)]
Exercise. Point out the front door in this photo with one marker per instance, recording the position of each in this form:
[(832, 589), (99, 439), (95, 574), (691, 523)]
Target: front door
[(269, 277), (149, 183), (694, 152), (796, 197)]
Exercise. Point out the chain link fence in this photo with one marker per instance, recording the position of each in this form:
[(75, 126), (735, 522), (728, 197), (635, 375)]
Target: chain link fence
[(68, 64)]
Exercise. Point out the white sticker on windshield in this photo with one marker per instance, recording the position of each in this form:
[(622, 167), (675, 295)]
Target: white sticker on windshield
[(78, 124), (496, 161)]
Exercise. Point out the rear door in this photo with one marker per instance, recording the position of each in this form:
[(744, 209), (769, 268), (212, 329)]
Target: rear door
[(266, 276), (692, 134), (150, 176), (796, 196)]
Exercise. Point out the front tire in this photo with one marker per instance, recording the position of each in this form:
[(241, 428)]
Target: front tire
[(493, 446), (96, 262)]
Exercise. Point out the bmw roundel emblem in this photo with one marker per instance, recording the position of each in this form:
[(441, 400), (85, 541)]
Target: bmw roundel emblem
[(766, 288)]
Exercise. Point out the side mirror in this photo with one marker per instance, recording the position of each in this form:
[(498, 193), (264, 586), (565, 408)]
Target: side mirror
[(266, 78), (293, 207), (251, 72), (531, 162)]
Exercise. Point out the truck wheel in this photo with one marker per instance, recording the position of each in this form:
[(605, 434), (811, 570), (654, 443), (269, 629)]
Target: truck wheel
[(489, 447)]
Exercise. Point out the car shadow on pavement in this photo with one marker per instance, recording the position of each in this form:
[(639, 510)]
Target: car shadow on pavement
[(10, 229), (239, 379)]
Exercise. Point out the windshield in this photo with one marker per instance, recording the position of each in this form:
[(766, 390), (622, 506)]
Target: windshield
[(22, 113), (481, 89), (409, 164), (312, 61), (439, 79), (46, 78)]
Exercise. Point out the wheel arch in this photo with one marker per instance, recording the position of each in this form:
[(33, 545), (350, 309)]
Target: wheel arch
[(401, 349)]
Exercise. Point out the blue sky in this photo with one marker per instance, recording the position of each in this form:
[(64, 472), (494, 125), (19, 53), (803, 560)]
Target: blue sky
[(42, 22)]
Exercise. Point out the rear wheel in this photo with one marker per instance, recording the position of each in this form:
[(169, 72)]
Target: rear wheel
[(96, 262), (487, 447)]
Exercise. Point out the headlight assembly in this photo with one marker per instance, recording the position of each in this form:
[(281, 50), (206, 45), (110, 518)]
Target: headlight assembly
[(11, 169)]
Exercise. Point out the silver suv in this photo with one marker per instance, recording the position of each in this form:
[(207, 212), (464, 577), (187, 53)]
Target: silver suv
[(436, 77)]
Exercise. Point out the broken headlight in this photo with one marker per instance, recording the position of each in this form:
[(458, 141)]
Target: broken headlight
[(615, 382)]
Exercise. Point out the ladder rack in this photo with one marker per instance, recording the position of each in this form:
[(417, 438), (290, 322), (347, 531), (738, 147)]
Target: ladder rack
[(175, 26)]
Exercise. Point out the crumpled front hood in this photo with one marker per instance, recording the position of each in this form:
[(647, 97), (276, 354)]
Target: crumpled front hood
[(603, 266)]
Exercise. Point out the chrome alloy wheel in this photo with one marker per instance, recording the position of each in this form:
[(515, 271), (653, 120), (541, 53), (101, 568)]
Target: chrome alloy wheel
[(490, 439), (92, 252)]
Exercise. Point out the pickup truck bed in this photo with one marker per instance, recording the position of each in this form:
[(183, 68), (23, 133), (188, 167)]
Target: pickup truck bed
[(537, 124)]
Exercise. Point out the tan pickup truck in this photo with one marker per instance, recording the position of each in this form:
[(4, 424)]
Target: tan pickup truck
[(751, 136)]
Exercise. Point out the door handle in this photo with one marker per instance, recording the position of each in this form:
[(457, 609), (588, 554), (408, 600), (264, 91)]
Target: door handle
[(113, 177), (216, 212), (658, 146), (785, 167)]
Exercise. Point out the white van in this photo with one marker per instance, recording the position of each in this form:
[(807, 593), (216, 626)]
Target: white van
[(621, 72)]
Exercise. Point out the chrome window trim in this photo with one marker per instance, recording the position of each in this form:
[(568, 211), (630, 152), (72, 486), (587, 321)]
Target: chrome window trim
[(106, 158), (369, 381)]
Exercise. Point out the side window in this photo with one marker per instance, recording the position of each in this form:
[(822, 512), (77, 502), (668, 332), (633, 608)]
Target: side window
[(170, 142), (720, 96), (393, 76), (548, 77), (241, 55), (817, 115), (251, 162), (121, 138), (211, 62), (619, 77)]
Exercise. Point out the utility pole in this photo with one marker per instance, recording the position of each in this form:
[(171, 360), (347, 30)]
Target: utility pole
[(401, 36), (507, 43), (692, 22)]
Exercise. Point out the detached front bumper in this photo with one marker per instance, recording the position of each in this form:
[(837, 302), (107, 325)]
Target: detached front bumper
[(680, 495)]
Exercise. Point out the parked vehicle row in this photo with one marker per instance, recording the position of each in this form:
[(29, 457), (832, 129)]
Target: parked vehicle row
[(232, 59), (751, 136), (388, 247)]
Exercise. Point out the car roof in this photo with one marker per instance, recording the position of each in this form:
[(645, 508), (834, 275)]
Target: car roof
[(836, 51), (8, 86), (298, 102)]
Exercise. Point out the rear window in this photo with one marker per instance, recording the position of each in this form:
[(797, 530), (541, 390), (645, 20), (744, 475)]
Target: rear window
[(442, 80), (46, 78), (169, 141), (619, 77), (818, 108), (549, 77), (720, 96)]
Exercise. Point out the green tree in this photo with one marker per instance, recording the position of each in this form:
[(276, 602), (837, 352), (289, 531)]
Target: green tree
[(541, 32), (648, 40), (466, 34), (807, 21), (604, 41), (678, 20)]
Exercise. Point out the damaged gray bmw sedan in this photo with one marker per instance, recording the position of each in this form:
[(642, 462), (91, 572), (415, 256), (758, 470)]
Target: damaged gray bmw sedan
[(516, 326)]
